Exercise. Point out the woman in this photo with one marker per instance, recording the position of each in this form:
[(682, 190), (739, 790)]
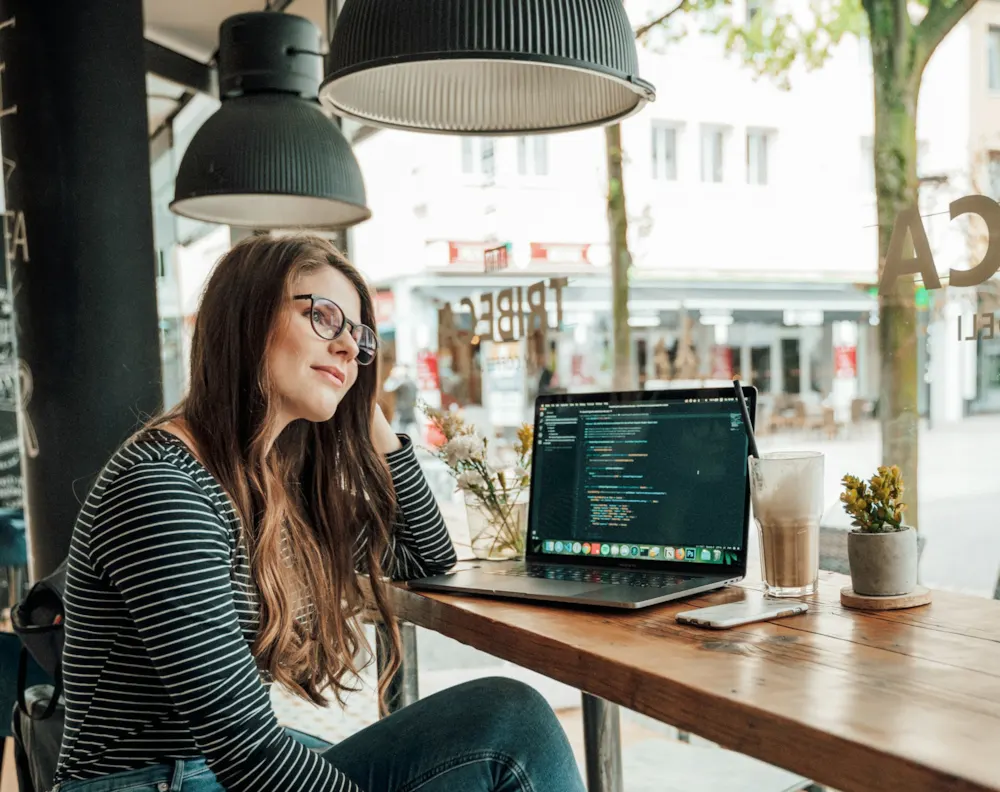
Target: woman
[(220, 551)]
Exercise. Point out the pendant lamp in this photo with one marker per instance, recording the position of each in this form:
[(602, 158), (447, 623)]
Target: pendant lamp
[(270, 158), (484, 66)]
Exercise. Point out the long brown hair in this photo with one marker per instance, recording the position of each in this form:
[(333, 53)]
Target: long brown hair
[(307, 501)]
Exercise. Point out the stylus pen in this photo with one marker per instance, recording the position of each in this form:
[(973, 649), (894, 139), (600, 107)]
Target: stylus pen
[(751, 440)]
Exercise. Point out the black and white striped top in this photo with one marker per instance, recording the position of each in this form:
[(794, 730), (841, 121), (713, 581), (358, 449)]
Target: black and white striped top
[(161, 613)]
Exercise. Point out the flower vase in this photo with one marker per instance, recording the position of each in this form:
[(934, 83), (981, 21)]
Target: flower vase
[(498, 527)]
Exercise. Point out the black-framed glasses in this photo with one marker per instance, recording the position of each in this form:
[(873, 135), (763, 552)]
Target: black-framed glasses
[(328, 322)]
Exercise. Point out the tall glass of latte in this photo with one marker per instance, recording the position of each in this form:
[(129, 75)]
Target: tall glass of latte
[(786, 489)]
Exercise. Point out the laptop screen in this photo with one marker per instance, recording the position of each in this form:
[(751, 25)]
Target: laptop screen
[(637, 478)]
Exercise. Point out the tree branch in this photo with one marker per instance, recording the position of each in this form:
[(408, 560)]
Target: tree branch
[(940, 19), (905, 38), (643, 30)]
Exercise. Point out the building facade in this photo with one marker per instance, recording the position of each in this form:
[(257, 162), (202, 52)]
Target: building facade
[(752, 215), (753, 233)]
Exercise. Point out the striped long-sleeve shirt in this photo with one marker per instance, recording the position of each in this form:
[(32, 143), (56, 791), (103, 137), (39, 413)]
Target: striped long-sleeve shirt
[(161, 613)]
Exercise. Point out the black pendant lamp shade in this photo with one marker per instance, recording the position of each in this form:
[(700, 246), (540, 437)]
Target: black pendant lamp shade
[(270, 157), (484, 66)]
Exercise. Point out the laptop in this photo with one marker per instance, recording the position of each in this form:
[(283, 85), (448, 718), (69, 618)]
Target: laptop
[(637, 498)]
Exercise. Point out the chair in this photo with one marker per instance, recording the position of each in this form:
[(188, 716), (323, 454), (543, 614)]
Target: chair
[(13, 553), (37, 739), (10, 655)]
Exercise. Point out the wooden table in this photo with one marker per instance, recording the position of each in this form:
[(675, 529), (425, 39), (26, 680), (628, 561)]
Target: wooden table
[(899, 701)]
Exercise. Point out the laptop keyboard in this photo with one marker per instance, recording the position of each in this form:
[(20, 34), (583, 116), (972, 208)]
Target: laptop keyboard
[(614, 577)]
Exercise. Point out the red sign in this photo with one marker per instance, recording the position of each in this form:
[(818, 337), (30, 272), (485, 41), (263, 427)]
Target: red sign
[(427, 371), (385, 309), (466, 252), (497, 257), (722, 363), (845, 361), (559, 253)]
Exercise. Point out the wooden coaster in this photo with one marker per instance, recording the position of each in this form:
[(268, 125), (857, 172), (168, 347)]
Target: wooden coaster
[(921, 595)]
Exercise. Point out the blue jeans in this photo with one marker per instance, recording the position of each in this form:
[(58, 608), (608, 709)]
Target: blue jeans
[(489, 735)]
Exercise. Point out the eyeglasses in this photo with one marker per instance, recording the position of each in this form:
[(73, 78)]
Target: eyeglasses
[(328, 322)]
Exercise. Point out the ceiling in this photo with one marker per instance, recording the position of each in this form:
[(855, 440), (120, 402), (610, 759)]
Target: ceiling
[(191, 28)]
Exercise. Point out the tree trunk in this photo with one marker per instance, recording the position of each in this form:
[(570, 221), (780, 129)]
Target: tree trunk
[(621, 259), (896, 188)]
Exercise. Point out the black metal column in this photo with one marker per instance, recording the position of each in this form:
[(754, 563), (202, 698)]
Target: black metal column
[(78, 234)]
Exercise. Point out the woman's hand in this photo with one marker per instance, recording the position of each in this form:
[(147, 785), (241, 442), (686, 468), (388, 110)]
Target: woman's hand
[(383, 438)]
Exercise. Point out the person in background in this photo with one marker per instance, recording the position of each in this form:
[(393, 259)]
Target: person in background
[(222, 548), (403, 387), (545, 380)]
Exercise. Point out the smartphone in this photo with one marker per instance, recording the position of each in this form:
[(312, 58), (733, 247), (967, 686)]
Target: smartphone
[(733, 614)]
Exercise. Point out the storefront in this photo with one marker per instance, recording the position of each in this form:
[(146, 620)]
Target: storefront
[(813, 341)]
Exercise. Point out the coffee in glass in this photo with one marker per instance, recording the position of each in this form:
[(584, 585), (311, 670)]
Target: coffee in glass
[(786, 489)]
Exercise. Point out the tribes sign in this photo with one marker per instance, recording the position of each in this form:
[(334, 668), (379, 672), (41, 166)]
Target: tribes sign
[(509, 314)]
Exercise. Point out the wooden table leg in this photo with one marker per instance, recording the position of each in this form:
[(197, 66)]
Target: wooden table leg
[(403, 688), (602, 744)]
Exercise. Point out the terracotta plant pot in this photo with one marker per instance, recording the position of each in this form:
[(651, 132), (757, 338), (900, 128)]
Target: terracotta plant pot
[(883, 564)]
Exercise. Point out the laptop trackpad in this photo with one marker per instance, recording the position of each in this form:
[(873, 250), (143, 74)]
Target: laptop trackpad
[(514, 584)]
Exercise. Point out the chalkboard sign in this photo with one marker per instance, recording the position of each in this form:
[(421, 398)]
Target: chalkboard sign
[(11, 487)]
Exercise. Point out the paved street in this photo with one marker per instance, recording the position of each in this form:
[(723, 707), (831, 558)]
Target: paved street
[(960, 495), (960, 516)]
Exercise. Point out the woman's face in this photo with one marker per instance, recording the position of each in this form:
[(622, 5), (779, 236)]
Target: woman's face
[(312, 375)]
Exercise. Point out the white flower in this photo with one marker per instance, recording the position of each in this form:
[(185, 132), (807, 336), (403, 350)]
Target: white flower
[(521, 474), (462, 449), (470, 479)]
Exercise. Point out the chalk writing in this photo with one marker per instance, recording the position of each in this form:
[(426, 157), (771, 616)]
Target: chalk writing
[(4, 109), (15, 237), (15, 376)]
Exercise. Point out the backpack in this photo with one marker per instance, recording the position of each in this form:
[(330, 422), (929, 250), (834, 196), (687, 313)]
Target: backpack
[(39, 715), (38, 621)]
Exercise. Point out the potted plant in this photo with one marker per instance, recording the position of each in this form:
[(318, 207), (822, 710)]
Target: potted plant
[(495, 482), (881, 550)]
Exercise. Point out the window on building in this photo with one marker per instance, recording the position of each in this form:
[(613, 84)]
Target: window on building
[(478, 155), (993, 57), (468, 155), (758, 143), (487, 156), (664, 152), (993, 175), (791, 366), (533, 155), (713, 146), (867, 164), (864, 51)]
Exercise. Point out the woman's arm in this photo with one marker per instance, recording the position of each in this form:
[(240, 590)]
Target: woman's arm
[(166, 549), (419, 543)]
